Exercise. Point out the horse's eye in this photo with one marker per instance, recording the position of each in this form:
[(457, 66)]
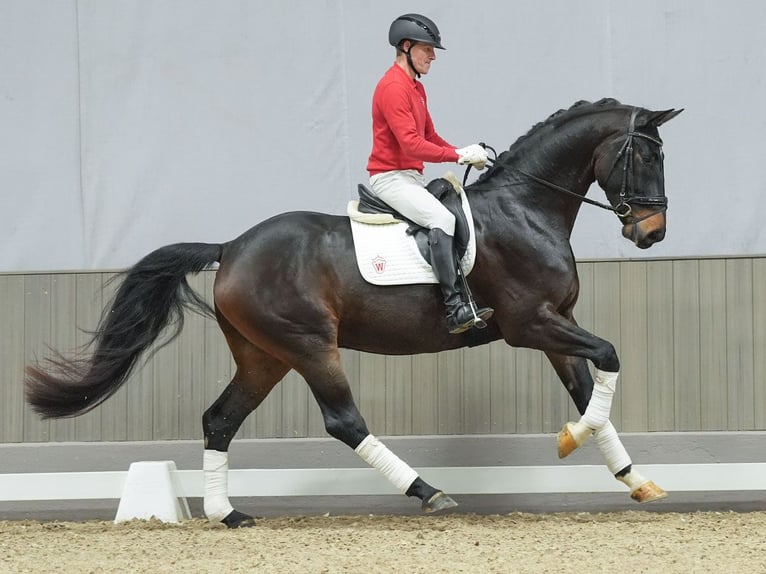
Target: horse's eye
[(647, 159)]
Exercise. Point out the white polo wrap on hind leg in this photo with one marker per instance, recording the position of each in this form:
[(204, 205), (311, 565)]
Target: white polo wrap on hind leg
[(617, 458), (215, 467), (611, 447), (377, 455), (600, 404)]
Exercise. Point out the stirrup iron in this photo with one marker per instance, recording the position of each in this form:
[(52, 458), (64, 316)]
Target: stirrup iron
[(478, 322)]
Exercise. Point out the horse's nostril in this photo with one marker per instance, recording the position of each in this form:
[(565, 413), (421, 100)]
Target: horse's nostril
[(656, 235)]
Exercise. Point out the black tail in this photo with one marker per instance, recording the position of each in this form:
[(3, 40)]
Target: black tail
[(152, 296)]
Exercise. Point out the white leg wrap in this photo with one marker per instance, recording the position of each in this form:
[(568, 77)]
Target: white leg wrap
[(597, 413), (377, 455), (611, 447), (215, 466), (633, 479)]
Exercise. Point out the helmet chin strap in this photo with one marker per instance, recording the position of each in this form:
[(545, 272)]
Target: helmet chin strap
[(409, 60)]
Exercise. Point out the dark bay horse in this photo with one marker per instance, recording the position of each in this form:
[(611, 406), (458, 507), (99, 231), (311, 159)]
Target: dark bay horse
[(288, 294)]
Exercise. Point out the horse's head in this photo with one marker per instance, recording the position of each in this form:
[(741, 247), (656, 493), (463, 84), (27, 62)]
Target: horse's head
[(629, 168)]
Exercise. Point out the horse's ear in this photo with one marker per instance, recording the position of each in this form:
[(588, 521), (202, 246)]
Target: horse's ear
[(656, 119)]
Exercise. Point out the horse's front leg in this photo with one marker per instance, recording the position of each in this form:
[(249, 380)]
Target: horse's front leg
[(552, 332), (574, 374)]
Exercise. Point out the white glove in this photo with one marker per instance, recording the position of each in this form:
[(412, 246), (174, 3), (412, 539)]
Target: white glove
[(473, 154)]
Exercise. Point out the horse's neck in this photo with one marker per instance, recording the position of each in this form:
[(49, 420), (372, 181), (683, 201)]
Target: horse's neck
[(565, 159)]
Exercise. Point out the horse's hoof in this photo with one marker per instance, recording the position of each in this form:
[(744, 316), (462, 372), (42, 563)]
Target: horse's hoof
[(237, 519), (438, 502), (648, 492), (570, 437)]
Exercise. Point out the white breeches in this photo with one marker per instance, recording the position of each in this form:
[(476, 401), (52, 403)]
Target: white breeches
[(405, 191)]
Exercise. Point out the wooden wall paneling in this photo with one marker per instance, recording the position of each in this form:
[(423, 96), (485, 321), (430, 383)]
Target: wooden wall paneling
[(166, 384), (712, 339), (425, 394), (450, 395), (502, 372), (759, 343), (529, 393), (398, 395), (686, 344), (660, 346), (634, 331), (477, 387), (738, 345), (12, 358)]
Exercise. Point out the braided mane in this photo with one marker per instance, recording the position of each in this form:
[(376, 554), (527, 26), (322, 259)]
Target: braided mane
[(579, 105)]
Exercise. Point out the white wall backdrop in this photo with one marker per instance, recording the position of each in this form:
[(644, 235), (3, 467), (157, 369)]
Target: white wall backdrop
[(125, 126)]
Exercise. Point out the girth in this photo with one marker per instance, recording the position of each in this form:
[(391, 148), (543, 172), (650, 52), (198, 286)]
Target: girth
[(442, 190)]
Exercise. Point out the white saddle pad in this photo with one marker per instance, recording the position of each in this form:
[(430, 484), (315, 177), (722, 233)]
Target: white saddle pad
[(386, 255)]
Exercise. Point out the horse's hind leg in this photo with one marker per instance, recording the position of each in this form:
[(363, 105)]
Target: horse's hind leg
[(324, 375), (574, 374), (257, 373)]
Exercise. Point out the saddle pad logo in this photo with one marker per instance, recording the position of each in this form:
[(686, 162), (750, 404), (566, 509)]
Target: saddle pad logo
[(379, 265)]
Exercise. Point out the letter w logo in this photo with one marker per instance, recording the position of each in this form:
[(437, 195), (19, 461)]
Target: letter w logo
[(379, 265)]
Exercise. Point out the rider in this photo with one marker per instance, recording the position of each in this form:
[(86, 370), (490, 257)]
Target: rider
[(403, 138)]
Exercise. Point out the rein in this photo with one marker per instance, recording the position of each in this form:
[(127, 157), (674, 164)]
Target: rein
[(622, 209)]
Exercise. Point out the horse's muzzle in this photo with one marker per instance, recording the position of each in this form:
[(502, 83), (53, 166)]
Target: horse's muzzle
[(643, 239), (645, 232)]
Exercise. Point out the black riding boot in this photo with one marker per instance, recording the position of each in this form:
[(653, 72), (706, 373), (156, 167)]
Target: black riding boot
[(460, 317)]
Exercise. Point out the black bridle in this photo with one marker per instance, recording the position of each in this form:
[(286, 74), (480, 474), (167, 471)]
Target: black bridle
[(623, 209)]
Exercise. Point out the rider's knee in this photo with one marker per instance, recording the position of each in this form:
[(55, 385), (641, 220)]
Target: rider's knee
[(444, 221)]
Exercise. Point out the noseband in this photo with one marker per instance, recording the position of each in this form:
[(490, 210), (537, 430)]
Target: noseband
[(623, 209)]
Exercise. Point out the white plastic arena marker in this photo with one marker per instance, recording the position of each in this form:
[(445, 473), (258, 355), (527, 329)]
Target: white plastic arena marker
[(149, 492)]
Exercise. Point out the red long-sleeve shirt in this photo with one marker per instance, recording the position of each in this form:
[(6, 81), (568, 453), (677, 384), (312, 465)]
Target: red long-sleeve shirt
[(403, 134)]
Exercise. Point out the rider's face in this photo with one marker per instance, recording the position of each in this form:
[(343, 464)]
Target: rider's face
[(422, 55)]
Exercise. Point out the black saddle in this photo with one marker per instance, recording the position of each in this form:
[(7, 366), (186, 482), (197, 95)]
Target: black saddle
[(442, 190)]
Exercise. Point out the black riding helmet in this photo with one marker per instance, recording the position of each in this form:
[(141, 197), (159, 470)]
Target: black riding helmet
[(414, 27)]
